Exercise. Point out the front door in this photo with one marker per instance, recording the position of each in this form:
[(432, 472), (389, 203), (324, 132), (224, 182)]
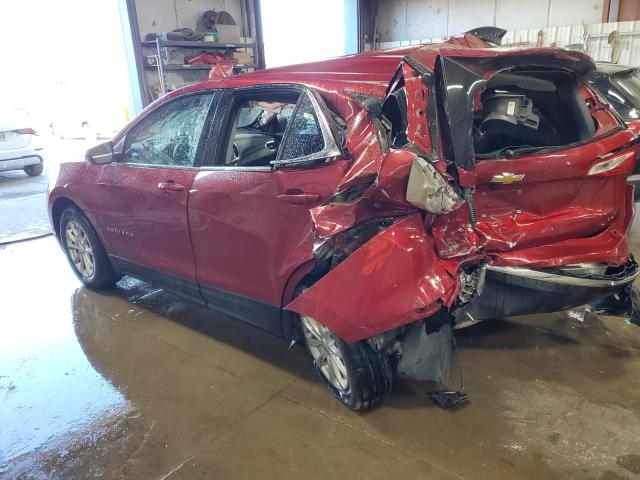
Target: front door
[(250, 222), (142, 211)]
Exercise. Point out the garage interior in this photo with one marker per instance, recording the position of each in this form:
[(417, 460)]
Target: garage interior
[(136, 382)]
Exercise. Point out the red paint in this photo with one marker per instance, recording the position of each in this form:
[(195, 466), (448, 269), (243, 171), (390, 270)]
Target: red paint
[(245, 239), (253, 233), (400, 279)]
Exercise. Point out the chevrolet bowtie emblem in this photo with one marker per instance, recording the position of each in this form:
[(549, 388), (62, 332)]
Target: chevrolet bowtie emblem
[(506, 178)]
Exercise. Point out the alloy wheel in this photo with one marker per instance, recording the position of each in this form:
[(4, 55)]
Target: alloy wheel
[(79, 248), (325, 352)]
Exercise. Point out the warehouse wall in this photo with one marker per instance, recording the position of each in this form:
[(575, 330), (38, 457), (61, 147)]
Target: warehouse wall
[(167, 15), (416, 19)]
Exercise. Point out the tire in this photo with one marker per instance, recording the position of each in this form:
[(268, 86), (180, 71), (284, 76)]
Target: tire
[(368, 373), (34, 170), (102, 275)]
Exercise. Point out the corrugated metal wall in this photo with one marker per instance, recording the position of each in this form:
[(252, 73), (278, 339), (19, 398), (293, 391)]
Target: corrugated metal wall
[(410, 19), (592, 38)]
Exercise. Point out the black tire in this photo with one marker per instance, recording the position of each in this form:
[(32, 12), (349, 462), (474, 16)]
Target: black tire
[(369, 374), (104, 275), (34, 170)]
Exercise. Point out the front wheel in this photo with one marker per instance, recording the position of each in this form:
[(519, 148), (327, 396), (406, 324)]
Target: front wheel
[(356, 374), (84, 251)]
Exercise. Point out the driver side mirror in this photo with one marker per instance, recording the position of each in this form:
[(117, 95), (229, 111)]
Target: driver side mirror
[(100, 154)]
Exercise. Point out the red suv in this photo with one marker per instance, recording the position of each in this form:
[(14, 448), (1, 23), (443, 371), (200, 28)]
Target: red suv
[(367, 205)]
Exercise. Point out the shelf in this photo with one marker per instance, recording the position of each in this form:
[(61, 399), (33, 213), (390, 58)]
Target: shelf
[(199, 66), (187, 44)]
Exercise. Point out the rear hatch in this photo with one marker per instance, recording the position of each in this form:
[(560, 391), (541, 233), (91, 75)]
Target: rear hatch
[(540, 160)]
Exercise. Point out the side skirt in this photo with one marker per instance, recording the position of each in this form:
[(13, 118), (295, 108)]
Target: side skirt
[(254, 312)]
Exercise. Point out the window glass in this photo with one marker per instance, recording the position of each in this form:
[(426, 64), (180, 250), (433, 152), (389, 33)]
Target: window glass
[(305, 136), (627, 105), (169, 135), (258, 131)]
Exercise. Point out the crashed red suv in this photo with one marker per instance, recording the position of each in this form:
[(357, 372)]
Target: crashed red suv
[(367, 205)]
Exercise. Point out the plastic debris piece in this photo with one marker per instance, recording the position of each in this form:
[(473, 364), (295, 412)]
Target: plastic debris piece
[(449, 399), (579, 313)]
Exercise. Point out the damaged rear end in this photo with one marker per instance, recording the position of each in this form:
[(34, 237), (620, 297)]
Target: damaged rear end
[(488, 182)]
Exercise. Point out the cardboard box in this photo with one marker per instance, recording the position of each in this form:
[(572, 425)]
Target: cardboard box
[(228, 33), (242, 58)]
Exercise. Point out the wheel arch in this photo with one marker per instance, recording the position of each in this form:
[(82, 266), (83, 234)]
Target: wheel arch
[(307, 274), (59, 206)]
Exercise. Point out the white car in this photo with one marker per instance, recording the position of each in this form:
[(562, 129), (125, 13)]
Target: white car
[(20, 149)]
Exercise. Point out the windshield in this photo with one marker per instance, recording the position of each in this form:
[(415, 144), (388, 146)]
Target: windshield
[(627, 101)]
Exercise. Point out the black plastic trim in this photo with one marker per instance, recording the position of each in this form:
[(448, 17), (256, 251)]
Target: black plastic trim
[(505, 294), (255, 312)]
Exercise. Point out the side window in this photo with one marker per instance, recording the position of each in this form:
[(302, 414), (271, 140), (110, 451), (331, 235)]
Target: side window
[(258, 130), (170, 134), (304, 136)]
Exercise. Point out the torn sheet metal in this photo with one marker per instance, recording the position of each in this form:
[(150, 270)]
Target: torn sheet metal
[(393, 279), (410, 276)]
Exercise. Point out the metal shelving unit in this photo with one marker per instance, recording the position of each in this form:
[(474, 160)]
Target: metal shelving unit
[(163, 67)]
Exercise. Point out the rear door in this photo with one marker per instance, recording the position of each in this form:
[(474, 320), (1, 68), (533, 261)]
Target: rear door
[(250, 221), (548, 204), (140, 202)]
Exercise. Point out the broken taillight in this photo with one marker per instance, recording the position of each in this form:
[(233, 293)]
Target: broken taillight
[(610, 164)]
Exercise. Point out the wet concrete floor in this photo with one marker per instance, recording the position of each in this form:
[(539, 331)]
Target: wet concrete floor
[(27, 195), (135, 383)]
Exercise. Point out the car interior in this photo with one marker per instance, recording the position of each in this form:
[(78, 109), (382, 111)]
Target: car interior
[(530, 109), (258, 129)]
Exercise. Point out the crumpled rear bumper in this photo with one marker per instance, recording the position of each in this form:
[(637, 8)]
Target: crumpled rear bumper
[(510, 291)]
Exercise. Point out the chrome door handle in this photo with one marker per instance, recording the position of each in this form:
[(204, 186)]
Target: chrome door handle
[(170, 186)]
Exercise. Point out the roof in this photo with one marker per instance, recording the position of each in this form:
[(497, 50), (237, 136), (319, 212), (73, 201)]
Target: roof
[(367, 72), (364, 72)]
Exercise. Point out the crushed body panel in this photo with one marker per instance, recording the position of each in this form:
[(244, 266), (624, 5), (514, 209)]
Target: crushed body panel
[(393, 279), (483, 211)]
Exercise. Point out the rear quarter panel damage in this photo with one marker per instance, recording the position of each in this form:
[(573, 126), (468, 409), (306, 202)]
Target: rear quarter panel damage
[(393, 279), (412, 269)]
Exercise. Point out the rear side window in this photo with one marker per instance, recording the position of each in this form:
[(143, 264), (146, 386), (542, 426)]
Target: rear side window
[(169, 135), (304, 136)]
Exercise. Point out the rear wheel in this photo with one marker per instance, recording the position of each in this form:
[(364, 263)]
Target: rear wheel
[(356, 374), (85, 252), (34, 170)]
